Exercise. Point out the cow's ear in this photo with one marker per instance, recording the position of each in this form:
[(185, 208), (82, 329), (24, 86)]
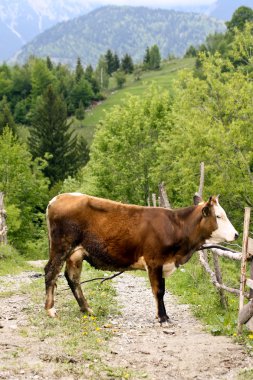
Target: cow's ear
[(197, 199), (212, 201), (206, 211)]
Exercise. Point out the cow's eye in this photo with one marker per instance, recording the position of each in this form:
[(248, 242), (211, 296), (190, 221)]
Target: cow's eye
[(218, 216)]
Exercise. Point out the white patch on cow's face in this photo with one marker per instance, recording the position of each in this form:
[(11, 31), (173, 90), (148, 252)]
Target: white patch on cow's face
[(225, 230)]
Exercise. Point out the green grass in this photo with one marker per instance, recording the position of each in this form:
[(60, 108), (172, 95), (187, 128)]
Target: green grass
[(163, 78), (193, 286), (79, 340), (11, 262), (246, 375)]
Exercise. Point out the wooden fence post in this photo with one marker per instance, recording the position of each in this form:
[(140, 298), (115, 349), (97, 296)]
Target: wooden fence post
[(3, 227), (243, 263), (202, 179), (164, 202), (223, 298), (154, 199)]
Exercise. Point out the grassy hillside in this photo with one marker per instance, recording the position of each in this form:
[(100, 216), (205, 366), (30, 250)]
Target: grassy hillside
[(163, 78)]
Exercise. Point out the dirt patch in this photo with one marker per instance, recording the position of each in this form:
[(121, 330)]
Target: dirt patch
[(180, 351), (24, 352)]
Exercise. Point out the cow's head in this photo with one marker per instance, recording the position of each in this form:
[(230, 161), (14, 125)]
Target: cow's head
[(215, 220)]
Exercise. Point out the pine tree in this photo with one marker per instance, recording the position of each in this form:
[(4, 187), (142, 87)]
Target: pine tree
[(82, 90), (116, 62), (50, 135), (146, 59), (109, 58), (50, 65), (83, 152), (155, 58), (79, 71), (89, 72), (90, 77), (127, 64), (6, 118)]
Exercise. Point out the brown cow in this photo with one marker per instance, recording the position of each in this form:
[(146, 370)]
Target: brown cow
[(115, 236)]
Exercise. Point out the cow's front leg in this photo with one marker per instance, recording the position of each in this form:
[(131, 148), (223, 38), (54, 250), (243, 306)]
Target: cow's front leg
[(158, 287)]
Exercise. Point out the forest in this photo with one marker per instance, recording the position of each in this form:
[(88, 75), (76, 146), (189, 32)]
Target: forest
[(161, 136)]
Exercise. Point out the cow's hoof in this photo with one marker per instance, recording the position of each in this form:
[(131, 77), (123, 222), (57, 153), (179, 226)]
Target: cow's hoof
[(52, 312), (88, 311), (167, 323), (164, 320)]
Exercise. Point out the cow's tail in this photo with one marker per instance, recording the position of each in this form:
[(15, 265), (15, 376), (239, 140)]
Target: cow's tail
[(48, 229)]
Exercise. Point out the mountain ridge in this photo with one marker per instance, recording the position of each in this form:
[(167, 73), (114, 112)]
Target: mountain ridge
[(22, 20), (122, 29)]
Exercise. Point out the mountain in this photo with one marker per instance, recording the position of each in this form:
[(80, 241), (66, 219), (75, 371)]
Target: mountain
[(224, 9), (123, 30), (22, 20)]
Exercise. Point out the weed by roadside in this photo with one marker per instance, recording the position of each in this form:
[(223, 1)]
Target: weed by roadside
[(11, 262), (193, 286), (246, 375)]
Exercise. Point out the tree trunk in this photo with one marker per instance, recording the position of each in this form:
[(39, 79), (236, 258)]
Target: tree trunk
[(164, 202), (3, 227)]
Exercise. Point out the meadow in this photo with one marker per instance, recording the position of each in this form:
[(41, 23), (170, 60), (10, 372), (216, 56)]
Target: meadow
[(163, 78)]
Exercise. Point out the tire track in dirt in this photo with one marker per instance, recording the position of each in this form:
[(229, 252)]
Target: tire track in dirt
[(180, 351)]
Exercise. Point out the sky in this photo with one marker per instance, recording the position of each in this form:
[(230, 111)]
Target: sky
[(158, 3), (149, 3)]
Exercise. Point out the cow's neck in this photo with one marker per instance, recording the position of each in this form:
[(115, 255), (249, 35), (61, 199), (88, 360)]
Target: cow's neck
[(191, 235)]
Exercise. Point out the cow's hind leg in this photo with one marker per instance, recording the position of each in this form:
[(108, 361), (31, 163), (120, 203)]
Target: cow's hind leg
[(72, 273), (158, 287), (52, 270)]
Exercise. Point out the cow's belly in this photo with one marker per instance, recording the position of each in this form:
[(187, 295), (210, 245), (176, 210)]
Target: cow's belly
[(140, 264), (168, 268)]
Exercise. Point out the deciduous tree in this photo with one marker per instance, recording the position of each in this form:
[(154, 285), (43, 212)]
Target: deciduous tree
[(239, 18), (124, 150), (25, 188)]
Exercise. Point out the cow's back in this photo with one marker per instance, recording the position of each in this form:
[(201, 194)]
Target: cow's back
[(110, 232)]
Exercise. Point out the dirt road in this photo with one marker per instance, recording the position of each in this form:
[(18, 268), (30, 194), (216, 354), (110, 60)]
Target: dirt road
[(177, 352), (180, 351)]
